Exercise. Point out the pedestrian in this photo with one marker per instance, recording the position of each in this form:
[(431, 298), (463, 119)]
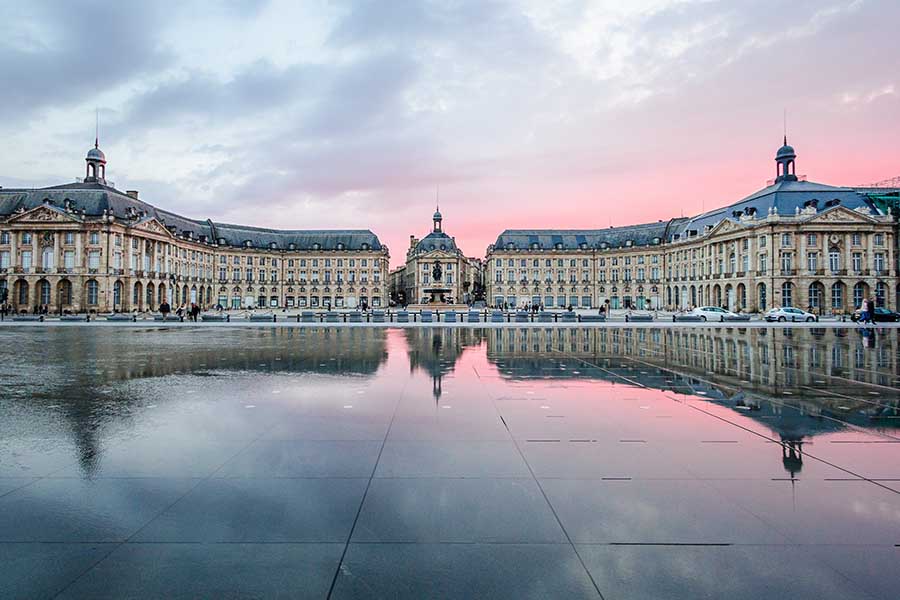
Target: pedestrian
[(165, 309)]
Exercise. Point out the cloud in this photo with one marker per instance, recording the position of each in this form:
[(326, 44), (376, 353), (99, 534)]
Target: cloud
[(55, 54)]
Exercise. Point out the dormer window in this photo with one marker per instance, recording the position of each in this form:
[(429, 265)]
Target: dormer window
[(340, 246), (534, 245), (273, 245), (510, 245), (604, 245), (656, 241), (629, 243), (558, 245), (292, 246), (248, 244), (317, 246), (583, 245)]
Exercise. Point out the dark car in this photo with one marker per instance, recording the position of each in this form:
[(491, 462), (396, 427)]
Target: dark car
[(881, 315)]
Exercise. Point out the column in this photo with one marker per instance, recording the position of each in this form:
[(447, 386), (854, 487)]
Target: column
[(78, 253), (13, 260), (35, 252), (56, 253)]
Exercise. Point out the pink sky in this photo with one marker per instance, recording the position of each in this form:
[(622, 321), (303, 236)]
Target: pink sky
[(526, 114)]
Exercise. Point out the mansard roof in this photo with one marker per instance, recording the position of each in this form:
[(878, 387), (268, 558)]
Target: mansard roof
[(436, 240), (785, 197), (96, 199), (570, 239)]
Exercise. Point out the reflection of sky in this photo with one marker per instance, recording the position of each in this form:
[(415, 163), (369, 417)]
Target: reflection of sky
[(98, 390)]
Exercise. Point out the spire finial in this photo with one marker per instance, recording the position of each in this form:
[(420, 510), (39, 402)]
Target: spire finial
[(784, 117), (97, 128)]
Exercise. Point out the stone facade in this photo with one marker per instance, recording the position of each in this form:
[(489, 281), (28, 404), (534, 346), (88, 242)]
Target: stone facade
[(794, 243), (411, 282), (87, 247)]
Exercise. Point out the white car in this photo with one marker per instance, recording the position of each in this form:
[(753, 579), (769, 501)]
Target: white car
[(712, 313), (789, 313)]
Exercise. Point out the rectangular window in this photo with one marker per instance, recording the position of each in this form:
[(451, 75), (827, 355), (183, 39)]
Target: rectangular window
[(857, 261), (4, 259), (69, 259), (4, 237), (26, 260), (857, 239), (26, 238), (94, 259), (785, 240)]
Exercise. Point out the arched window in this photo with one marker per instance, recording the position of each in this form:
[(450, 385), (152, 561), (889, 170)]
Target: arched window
[(93, 292), (44, 291), (117, 294), (880, 293), (815, 296), (65, 292), (787, 294), (837, 296), (859, 294)]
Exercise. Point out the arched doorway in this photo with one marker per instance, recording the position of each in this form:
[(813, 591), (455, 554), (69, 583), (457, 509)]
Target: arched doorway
[(838, 296), (761, 297), (717, 295), (742, 296), (880, 294), (43, 291), (91, 294), (20, 294), (816, 297), (137, 297), (729, 297), (118, 292), (64, 293), (150, 296), (160, 294), (693, 296), (787, 294), (860, 293)]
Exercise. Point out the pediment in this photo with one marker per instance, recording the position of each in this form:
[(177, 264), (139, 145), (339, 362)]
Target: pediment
[(152, 225), (841, 214), (44, 214), (725, 226)]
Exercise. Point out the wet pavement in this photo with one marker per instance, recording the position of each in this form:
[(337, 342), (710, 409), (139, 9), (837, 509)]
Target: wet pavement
[(188, 462)]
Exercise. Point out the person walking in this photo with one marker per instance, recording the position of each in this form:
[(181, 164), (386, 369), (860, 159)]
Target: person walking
[(165, 309), (865, 316)]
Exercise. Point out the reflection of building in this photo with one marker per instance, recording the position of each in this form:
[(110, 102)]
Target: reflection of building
[(355, 352), (88, 246), (765, 364), (435, 270), (436, 351), (793, 243)]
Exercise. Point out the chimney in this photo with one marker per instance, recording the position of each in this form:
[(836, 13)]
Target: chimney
[(132, 194), (413, 241)]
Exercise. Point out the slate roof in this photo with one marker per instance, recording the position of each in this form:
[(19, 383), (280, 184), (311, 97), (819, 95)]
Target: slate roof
[(613, 237), (786, 196), (95, 198), (436, 240)]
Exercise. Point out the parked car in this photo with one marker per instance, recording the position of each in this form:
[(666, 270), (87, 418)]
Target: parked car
[(881, 315), (712, 313), (789, 313)]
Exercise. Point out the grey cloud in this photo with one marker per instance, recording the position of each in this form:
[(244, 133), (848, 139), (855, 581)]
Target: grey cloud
[(197, 95), (59, 53)]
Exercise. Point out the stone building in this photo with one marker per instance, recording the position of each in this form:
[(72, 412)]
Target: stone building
[(436, 253), (87, 246), (793, 243)]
